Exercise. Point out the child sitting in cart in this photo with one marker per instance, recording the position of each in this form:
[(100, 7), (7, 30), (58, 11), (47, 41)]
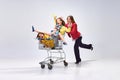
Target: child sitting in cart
[(46, 40)]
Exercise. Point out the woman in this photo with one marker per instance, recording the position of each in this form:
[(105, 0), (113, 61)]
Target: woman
[(76, 35), (60, 28)]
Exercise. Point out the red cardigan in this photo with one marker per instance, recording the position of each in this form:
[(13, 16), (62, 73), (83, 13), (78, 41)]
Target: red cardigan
[(74, 33)]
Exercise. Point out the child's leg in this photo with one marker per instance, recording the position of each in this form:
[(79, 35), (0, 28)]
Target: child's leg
[(42, 32), (53, 31), (61, 37), (33, 30), (36, 31)]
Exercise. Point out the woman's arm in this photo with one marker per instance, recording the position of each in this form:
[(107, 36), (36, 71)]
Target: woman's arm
[(69, 35), (74, 29)]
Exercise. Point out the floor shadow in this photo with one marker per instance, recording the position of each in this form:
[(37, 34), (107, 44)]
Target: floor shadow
[(82, 63), (57, 68)]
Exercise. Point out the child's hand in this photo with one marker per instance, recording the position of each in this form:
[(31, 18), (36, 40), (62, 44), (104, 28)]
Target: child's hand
[(55, 17)]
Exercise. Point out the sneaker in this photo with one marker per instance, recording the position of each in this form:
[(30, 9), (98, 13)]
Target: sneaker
[(64, 43), (91, 47), (33, 29), (77, 62)]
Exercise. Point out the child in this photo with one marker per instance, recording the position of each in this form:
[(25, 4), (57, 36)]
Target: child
[(46, 40), (60, 28)]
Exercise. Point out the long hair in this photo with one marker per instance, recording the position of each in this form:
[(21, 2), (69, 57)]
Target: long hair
[(63, 22), (72, 18), (37, 37)]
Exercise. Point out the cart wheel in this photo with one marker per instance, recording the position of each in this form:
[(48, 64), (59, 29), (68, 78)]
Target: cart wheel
[(51, 61), (42, 66), (50, 66), (65, 63)]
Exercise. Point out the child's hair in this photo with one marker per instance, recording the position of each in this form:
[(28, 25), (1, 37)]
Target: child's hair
[(72, 18), (38, 35), (63, 22)]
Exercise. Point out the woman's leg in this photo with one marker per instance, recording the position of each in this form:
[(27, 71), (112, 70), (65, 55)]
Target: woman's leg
[(78, 43), (82, 45), (76, 51)]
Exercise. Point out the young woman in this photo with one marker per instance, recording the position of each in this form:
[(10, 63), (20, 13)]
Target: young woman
[(76, 35), (60, 28)]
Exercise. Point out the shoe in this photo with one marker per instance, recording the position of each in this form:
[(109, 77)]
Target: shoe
[(64, 43), (77, 62), (91, 47), (33, 29)]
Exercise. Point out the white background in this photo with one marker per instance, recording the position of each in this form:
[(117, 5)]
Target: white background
[(98, 21)]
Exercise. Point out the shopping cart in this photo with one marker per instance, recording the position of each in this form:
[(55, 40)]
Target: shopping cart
[(52, 59)]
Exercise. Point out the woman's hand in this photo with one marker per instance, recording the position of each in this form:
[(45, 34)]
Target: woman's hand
[(69, 24)]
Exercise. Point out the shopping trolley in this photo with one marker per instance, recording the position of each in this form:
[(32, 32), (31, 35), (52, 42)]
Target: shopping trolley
[(51, 59)]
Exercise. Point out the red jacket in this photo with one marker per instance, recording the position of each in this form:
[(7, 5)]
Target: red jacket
[(74, 33)]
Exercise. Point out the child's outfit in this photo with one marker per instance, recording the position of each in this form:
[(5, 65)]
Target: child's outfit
[(58, 27), (61, 30)]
